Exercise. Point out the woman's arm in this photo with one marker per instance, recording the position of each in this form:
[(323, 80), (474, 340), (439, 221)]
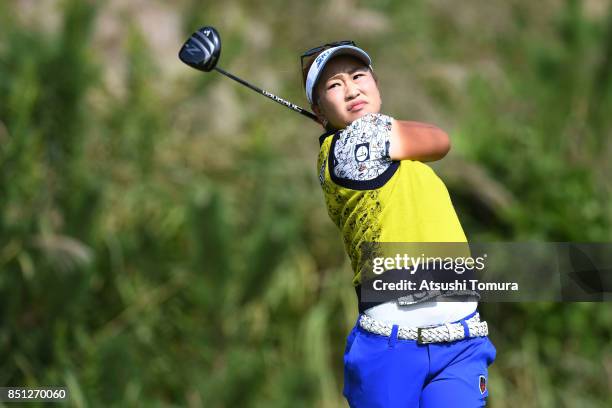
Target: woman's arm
[(417, 141)]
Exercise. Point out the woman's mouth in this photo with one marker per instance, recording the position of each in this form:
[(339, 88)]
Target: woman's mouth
[(357, 106)]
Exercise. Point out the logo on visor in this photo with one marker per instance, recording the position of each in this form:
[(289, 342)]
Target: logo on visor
[(483, 384), (321, 57)]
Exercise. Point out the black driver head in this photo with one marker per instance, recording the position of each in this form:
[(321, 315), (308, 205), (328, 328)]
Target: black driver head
[(202, 50)]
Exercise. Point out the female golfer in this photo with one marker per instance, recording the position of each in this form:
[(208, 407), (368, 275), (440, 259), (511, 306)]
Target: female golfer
[(427, 349)]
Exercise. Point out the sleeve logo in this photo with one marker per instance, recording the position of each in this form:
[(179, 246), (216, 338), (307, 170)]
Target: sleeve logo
[(362, 152)]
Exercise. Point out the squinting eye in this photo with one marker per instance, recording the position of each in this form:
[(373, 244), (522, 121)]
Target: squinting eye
[(358, 75), (333, 85)]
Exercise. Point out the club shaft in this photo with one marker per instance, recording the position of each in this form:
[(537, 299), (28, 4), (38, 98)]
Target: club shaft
[(275, 98)]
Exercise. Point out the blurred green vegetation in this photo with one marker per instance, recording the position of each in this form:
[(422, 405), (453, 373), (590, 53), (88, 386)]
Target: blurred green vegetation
[(163, 240)]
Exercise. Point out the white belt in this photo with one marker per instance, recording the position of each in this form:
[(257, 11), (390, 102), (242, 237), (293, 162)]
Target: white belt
[(437, 334)]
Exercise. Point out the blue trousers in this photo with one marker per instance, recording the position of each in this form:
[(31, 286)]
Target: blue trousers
[(388, 372)]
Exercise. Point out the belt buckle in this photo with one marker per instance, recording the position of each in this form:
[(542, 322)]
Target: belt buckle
[(420, 339)]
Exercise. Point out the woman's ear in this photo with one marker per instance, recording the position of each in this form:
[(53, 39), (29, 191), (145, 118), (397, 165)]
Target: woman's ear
[(321, 118)]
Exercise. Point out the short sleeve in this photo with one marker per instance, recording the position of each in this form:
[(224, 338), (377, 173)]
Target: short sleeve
[(361, 152)]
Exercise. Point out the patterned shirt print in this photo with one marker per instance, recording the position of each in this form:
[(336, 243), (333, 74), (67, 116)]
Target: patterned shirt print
[(362, 150)]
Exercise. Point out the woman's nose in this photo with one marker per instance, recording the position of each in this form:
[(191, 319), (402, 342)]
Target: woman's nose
[(352, 90)]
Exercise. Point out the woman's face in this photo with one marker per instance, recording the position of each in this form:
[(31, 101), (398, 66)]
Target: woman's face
[(346, 90)]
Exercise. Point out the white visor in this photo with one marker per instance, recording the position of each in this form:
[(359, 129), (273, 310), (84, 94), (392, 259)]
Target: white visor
[(319, 63)]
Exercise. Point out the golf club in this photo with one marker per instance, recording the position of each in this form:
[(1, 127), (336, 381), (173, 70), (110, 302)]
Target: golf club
[(202, 50)]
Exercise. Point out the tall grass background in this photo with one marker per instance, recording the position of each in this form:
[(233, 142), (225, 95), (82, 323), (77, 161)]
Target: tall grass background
[(163, 239)]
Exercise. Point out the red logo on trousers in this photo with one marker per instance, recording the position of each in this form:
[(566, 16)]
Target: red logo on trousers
[(483, 384)]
